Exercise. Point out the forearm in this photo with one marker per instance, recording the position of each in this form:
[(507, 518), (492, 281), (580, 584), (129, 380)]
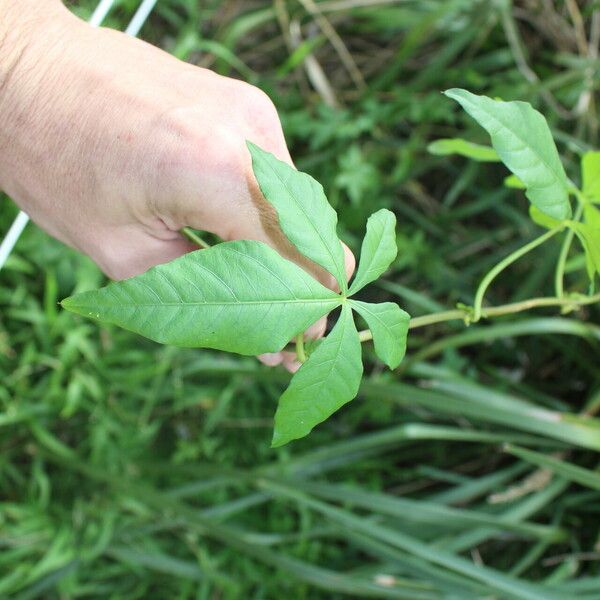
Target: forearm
[(31, 35), (19, 20)]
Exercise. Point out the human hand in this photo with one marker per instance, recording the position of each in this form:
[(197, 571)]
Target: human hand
[(112, 146)]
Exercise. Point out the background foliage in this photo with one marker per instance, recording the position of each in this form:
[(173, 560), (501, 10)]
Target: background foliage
[(129, 470)]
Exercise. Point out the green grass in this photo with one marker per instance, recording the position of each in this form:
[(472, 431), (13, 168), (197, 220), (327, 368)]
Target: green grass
[(130, 470)]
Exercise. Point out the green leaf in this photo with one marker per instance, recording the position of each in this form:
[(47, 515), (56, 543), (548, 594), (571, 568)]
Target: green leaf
[(590, 240), (237, 296), (478, 152), (389, 326), (590, 175), (541, 219), (513, 182), (592, 216), (378, 249), (305, 216), (357, 175), (324, 383), (522, 139)]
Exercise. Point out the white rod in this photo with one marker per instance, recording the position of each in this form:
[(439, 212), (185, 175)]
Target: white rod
[(140, 17), (10, 239), (100, 13), (97, 18)]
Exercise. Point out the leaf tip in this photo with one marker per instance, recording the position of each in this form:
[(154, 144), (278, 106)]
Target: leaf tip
[(434, 148), (67, 303), (392, 364), (252, 148), (255, 152), (278, 440), (453, 92), (461, 96), (389, 214)]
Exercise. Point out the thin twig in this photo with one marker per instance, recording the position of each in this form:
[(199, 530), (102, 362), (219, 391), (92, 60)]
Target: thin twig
[(336, 5), (314, 71), (516, 46), (577, 20), (336, 41)]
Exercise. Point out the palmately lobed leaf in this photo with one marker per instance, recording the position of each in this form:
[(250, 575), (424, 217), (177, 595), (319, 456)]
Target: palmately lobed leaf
[(522, 139), (237, 296), (378, 249), (389, 327), (324, 383), (305, 216)]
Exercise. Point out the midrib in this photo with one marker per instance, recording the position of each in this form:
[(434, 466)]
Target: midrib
[(333, 301)]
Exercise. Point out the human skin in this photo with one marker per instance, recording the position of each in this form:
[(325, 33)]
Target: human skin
[(112, 145)]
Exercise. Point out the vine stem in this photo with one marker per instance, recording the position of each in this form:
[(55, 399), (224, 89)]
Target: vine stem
[(559, 276), (494, 311), (191, 235), (511, 258)]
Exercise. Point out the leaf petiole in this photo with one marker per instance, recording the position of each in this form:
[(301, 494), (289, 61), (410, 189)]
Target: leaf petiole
[(511, 258), (564, 253), (300, 352)]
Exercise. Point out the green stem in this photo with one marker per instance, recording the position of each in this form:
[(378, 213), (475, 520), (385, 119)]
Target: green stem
[(300, 353), (191, 235), (439, 317), (564, 254), (494, 311), (511, 258)]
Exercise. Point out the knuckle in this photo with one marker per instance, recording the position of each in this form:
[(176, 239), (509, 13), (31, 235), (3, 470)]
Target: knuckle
[(257, 101), (262, 122), (259, 109), (226, 151)]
